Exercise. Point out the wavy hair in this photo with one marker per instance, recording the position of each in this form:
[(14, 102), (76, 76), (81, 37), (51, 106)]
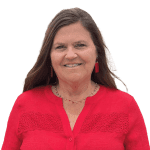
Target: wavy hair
[(40, 74)]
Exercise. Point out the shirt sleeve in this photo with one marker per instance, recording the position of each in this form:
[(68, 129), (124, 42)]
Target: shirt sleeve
[(11, 139), (136, 138)]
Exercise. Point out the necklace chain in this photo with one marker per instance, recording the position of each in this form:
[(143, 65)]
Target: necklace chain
[(75, 101)]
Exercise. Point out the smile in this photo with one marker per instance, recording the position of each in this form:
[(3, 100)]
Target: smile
[(71, 66)]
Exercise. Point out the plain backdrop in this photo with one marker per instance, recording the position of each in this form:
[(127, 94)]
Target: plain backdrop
[(124, 25)]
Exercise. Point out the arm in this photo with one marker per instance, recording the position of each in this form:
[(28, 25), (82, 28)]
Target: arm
[(136, 138), (11, 139)]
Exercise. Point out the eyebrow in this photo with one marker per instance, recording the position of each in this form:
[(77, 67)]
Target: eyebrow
[(60, 43)]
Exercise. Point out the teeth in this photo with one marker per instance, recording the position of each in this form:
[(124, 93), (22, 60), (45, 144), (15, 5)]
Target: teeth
[(72, 65)]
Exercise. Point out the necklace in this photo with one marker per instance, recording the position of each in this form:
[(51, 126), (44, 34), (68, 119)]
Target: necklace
[(75, 101)]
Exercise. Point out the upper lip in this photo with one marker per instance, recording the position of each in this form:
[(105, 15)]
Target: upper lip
[(72, 63)]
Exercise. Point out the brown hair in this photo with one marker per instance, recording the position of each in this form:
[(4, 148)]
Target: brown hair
[(40, 74)]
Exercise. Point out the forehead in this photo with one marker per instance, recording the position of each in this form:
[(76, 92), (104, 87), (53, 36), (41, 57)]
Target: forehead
[(72, 33)]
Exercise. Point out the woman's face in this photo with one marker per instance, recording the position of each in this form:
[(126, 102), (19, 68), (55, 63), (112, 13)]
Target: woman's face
[(73, 45)]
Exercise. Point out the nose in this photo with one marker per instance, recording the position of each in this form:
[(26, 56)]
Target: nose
[(70, 53)]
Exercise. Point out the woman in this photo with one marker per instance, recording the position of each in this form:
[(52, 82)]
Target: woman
[(70, 100)]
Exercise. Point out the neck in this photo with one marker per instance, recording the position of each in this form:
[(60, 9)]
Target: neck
[(75, 90)]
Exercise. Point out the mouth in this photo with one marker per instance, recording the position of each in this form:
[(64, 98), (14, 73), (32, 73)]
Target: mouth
[(73, 65)]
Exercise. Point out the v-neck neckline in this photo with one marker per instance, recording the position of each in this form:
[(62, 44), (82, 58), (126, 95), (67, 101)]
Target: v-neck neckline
[(89, 104)]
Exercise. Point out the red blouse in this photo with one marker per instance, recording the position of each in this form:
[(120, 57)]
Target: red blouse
[(110, 120)]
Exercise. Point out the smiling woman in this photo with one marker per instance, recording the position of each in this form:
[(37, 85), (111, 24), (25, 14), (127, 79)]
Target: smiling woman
[(72, 38), (43, 73), (76, 48), (70, 99)]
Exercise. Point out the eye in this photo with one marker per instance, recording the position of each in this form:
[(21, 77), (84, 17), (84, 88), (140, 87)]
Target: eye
[(80, 45), (77, 45), (60, 47)]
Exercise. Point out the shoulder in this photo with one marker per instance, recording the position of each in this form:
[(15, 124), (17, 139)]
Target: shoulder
[(30, 96), (118, 95)]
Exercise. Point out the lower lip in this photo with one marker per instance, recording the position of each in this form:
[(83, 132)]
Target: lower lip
[(72, 67)]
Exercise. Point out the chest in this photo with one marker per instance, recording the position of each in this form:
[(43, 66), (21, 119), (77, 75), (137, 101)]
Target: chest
[(73, 112)]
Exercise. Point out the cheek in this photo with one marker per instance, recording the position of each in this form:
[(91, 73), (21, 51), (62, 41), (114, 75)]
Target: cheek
[(54, 59)]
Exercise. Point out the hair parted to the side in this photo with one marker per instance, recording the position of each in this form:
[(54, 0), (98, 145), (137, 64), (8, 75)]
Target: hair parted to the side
[(40, 74)]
